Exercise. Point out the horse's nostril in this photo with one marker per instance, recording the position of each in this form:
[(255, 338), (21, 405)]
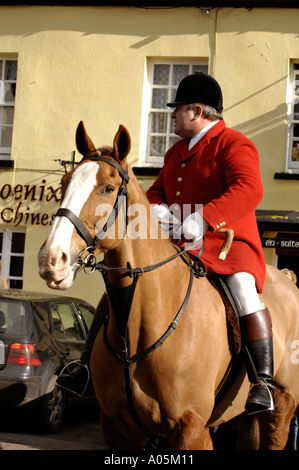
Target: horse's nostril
[(61, 260)]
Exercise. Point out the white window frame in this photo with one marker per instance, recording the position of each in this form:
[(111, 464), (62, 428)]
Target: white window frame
[(292, 98), (6, 254), (144, 151), (5, 152)]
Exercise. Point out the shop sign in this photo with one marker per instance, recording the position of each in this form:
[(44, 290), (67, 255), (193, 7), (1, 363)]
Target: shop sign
[(26, 204), (280, 243)]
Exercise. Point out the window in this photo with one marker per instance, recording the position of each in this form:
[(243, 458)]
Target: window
[(17, 317), (293, 128), (160, 88), (87, 314), (67, 325), (8, 80), (12, 248)]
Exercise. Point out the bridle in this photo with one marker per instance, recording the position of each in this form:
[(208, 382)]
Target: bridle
[(89, 260), (92, 243)]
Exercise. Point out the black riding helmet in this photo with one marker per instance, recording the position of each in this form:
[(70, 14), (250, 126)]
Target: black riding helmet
[(199, 88)]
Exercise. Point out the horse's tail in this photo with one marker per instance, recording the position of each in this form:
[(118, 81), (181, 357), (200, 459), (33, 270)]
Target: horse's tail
[(249, 434)]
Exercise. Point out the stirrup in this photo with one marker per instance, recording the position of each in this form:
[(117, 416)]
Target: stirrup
[(78, 363), (266, 409)]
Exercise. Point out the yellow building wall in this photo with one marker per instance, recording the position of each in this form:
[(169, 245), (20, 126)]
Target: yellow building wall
[(88, 63)]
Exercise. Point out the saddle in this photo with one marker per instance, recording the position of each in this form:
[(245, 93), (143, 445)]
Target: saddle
[(232, 318), (218, 282), (234, 338), (233, 326)]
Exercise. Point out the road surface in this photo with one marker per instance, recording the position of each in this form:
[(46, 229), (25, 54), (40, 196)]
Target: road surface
[(80, 430)]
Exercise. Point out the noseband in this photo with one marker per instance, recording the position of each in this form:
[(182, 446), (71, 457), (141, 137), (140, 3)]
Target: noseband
[(92, 243)]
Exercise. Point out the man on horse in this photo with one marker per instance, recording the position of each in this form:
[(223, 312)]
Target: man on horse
[(217, 169)]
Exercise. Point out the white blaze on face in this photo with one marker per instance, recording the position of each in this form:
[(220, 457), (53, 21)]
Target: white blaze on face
[(80, 186)]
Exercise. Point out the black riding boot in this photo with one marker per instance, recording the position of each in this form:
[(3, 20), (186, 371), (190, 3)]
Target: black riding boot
[(76, 381), (257, 335)]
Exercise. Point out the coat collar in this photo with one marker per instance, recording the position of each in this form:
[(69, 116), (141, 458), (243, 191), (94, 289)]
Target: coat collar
[(205, 140)]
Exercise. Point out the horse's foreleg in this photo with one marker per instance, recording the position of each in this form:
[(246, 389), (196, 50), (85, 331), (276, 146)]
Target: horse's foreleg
[(275, 427), (115, 440), (190, 433)]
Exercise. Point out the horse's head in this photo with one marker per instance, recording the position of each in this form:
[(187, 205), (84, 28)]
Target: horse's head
[(92, 197)]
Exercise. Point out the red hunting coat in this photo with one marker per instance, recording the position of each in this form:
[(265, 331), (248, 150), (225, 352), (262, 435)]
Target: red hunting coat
[(221, 172)]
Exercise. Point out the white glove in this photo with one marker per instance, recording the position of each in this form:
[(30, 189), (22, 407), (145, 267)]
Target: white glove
[(163, 213), (194, 227)]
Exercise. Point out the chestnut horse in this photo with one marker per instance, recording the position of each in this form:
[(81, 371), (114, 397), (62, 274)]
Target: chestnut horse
[(160, 358)]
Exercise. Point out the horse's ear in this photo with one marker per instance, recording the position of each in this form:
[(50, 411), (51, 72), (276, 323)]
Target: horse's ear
[(121, 143), (83, 142)]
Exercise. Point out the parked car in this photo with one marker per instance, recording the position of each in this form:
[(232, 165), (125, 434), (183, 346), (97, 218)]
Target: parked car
[(39, 334)]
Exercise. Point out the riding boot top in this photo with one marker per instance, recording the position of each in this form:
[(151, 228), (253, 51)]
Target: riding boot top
[(256, 330)]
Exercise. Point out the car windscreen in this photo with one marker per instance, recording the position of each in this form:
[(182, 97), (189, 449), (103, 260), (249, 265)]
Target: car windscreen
[(15, 317)]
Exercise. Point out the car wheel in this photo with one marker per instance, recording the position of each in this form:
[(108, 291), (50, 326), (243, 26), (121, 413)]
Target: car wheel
[(51, 410)]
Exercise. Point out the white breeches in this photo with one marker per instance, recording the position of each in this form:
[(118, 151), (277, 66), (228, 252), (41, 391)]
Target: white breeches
[(243, 289)]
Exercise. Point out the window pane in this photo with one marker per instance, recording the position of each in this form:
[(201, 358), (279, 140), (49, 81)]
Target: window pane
[(172, 126), (10, 70), (16, 266), (296, 110), (179, 72), (158, 146), (161, 74), (200, 68), (9, 92), (58, 328), (87, 314), (5, 136), (159, 123), (71, 325), (173, 140), (173, 93), (17, 316), (295, 152), (15, 284), (18, 242), (159, 99), (7, 113)]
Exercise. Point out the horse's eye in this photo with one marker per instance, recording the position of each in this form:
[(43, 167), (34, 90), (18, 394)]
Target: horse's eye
[(107, 189)]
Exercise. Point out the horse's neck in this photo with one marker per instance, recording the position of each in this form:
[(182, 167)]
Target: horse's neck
[(142, 306), (145, 247), (148, 317), (139, 253)]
